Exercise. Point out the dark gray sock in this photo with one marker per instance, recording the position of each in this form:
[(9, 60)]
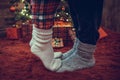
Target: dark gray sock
[(81, 58)]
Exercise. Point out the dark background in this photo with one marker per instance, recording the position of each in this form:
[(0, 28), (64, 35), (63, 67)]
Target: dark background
[(110, 19)]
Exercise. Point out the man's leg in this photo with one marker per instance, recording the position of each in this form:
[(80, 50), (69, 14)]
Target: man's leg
[(87, 34)]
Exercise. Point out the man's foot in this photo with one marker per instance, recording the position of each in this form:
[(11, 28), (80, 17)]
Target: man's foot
[(81, 58)]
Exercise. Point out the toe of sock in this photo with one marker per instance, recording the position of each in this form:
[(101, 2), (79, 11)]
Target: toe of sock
[(57, 54)]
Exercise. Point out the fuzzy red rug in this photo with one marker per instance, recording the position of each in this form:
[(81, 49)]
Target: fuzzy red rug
[(18, 63)]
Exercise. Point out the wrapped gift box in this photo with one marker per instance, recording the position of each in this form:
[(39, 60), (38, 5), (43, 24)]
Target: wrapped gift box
[(57, 42), (13, 33)]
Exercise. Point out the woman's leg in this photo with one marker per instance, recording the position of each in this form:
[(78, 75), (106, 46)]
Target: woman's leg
[(42, 17)]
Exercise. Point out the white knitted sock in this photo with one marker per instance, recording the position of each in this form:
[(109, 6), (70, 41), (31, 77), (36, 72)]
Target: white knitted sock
[(42, 48), (56, 54), (82, 58)]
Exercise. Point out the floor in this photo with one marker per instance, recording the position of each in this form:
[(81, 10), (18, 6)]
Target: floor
[(18, 63)]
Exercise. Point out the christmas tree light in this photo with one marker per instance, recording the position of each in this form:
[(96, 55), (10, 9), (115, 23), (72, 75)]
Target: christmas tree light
[(21, 13)]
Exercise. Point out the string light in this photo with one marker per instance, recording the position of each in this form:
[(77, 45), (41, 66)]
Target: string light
[(30, 16), (23, 0)]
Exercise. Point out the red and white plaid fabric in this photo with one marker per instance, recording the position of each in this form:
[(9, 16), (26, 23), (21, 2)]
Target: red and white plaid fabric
[(42, 12)]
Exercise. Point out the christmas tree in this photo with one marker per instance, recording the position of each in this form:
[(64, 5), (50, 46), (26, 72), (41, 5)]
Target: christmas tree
[(62, 15), (21, 9)]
